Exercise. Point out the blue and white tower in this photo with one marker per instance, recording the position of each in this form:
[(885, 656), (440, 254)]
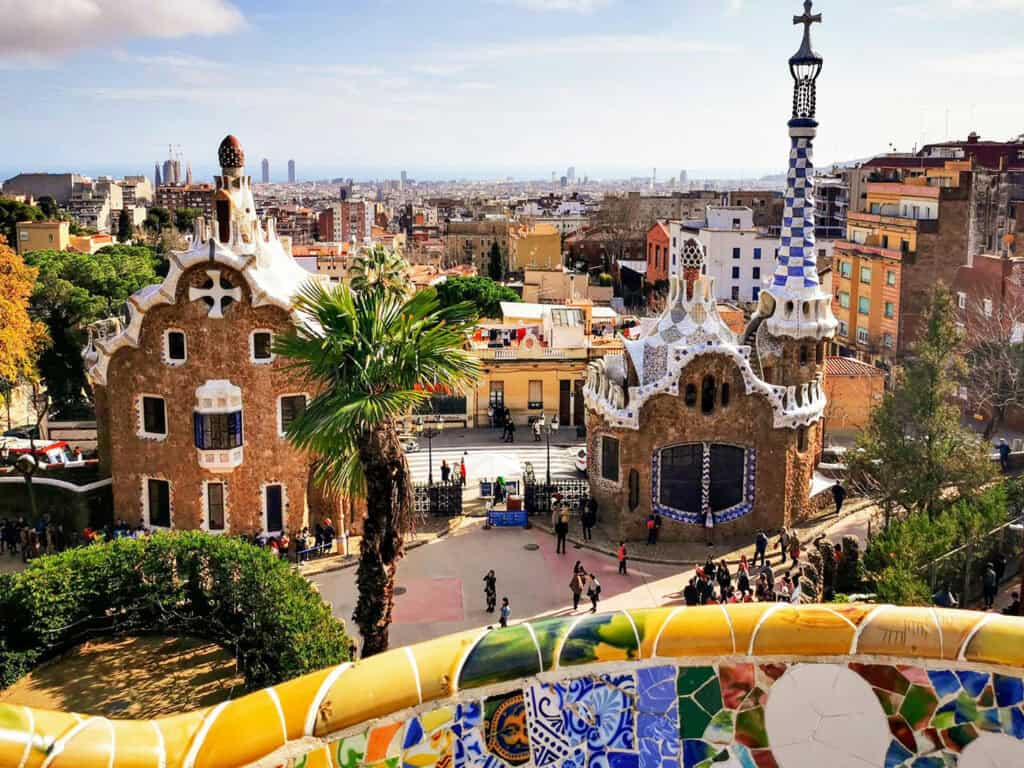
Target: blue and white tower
[(795, 305)]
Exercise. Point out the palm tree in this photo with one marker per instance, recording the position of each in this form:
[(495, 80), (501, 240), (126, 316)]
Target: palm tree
[(379, 267), (372, 355)]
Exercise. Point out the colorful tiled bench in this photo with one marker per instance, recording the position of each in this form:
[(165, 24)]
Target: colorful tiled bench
[(756, 685)]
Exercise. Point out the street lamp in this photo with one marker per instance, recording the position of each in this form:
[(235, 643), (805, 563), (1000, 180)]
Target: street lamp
[(430, 433)]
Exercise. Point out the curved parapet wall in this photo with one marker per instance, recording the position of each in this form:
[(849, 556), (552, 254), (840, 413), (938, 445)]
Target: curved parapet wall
[(751, 686)]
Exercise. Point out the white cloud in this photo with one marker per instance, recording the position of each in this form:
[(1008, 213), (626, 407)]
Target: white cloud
[(582, 45), (35, 31), (1003, 63), (544, 6), (929, 9), (733, 7)]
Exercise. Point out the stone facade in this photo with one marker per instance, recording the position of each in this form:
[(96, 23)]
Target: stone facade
[(216, 349)]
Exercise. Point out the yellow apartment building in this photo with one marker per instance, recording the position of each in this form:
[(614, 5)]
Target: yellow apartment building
[(42, 236), (534, 246)]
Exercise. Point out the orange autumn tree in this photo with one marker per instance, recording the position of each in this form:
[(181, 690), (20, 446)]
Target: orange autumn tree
[(21, 337)]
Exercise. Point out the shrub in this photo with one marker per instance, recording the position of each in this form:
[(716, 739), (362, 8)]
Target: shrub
[(185, 583)]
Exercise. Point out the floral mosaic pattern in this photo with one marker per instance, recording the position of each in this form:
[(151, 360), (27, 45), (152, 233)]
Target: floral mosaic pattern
[(711, 716)]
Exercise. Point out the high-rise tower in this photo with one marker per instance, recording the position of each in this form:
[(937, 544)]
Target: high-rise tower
[(265, 171), (291, 171)]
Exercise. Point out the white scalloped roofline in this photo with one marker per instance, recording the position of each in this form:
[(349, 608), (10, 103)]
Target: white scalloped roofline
[(597, 392), (209, 252)]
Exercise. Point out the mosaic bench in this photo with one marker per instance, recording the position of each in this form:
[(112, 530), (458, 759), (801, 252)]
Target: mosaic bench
[(742, 686)]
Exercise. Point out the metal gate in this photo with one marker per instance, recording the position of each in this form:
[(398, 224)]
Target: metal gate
[(537, 496), (440, 499)]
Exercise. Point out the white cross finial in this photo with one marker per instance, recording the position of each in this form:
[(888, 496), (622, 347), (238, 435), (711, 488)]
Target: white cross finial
[(215, 294)]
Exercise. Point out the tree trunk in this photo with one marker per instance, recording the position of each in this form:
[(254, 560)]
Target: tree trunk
[(389, 504)]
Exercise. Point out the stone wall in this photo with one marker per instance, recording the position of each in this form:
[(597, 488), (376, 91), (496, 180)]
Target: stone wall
[(783, 474), (765, 685), (216, 349)]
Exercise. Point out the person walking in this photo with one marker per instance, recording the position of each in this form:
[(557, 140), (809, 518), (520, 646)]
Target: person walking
[(579, 579), (794, 548), (506, 611), (589, 519), (783, 543), (490, 590), (594, 592), (650, 529), (622, 558), (760, 547), (561, 531), (1004, 455), (838, 496), (511, 431), (446, 471), (462, 469), (538, 428), (989, 585)]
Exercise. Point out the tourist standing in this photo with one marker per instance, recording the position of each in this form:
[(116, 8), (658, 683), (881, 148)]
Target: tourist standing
[(651, 535), (794, 548), (462, 469), (1004, 455), (657, 527), (589, 519), (561, 532), (760, 547), (783, 543), (622, 557), (579, 578), (446, 471), (594, 592), (490, 590), (506, 611), (989, 585)]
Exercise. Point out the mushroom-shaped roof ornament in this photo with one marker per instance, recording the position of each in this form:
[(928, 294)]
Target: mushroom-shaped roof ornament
[(230, 153)]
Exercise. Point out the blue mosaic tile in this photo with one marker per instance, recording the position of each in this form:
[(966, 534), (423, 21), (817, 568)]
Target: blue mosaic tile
[(896, 754), (946, 683), (973, 682), (1009, 690)]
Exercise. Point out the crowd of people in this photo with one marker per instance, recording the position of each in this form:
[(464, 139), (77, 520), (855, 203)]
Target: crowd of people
[(44, 537), (303, 545)]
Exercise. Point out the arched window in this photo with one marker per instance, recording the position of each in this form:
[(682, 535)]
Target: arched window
[(803, 354), (690, 396), (707, 394), (801, 439), (724, 396)]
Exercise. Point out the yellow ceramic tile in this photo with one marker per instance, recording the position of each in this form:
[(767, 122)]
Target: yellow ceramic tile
[(696, 631), (438, 661), (296, 698), (246, 729), (49, 726), (90, 746), (744, 618), (901, 632), (178, 732), (15, 733), (435, 718), (648, 623), (371, 688), (137, 744), (955, 626), (811, 630), (1000, 640), (321, 758)]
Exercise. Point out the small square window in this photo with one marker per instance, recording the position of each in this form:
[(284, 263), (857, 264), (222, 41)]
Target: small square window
[(154, 416), (158, 502), (890, 277), (844, 300), (757, 254), (845, 268), (535, 397), (261, 346), (735, 253), (888, 341), (176, 352), (756, 273), (863, 305), (755, 292), (890, 310), (844, 329), (865, 275), (291, 407), (862, 336), (986, 306), (961, 300), (215, 506), (735, 273)]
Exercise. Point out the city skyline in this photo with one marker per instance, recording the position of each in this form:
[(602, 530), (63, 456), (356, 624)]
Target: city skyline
[(468, 90)]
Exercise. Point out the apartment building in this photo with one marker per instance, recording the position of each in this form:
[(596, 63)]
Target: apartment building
[(767, 206), (346, 221), (470, 242), (175, 196), (534, 246)]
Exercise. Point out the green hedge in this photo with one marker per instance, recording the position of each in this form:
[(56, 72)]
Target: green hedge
[(186, 583)]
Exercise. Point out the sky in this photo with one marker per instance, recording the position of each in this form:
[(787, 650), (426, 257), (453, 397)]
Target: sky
[(493, 88)]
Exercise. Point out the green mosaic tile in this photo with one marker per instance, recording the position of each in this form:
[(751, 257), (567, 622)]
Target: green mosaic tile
[(692, 678), (750, 730), (987, 698), (721, 728), (548, 632), (693, 720), (500, 656), (918, 706), (593, 634), (959, 736), (710, 695), (350, 751)]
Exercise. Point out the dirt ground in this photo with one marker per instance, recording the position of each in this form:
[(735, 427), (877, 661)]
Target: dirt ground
[(131, 677)]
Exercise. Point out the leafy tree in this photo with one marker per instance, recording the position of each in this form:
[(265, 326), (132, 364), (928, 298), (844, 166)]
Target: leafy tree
[(914, 451), (995, 361), (373, 354), (124, 226), (495, 263), (48, 206), (185, 218), (21, 337), (157, 219), (223, 589), (482, 292), (75, 289), (13, 211), (380, 267)]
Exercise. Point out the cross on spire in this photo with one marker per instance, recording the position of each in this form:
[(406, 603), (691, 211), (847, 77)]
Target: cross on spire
[(808, 18)]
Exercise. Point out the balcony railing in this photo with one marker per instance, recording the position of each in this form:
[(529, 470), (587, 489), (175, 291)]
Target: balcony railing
[(537, 353)]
